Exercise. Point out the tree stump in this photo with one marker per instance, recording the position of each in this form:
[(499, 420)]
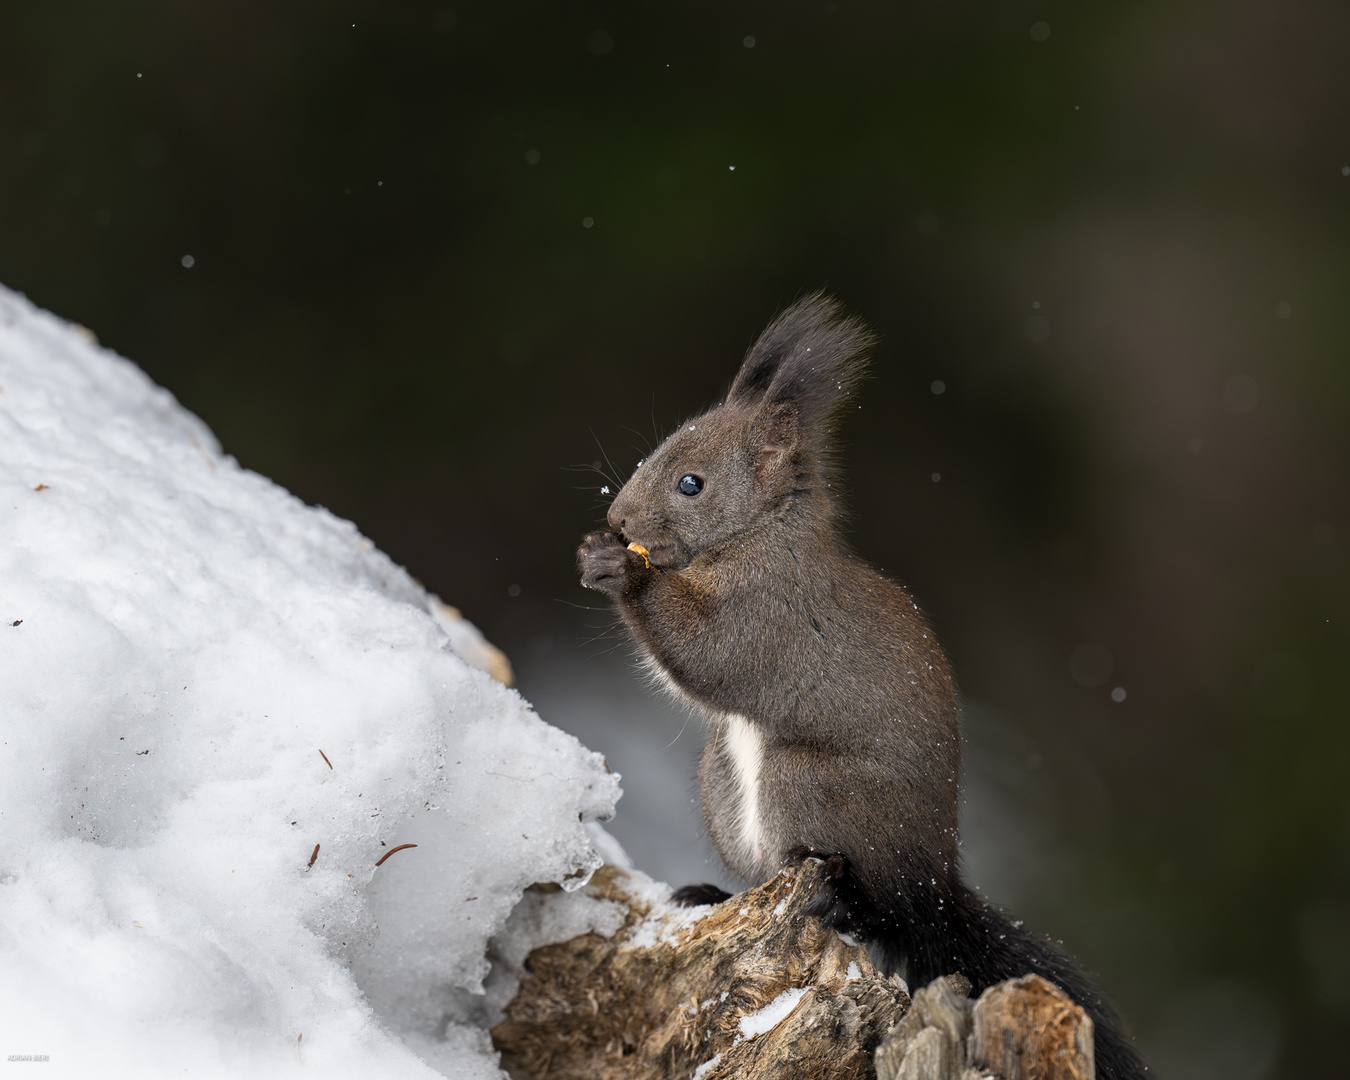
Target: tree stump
[(754, 989)]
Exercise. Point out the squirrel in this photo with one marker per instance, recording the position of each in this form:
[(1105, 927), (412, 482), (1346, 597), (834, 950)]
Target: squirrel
[(834, 727)]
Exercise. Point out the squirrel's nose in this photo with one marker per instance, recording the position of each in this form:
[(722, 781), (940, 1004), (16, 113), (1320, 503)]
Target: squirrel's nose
[(616, 521)]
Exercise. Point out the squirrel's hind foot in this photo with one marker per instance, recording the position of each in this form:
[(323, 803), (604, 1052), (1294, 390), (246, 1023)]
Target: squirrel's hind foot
[(698, 895), (839, 901), (830, 904)]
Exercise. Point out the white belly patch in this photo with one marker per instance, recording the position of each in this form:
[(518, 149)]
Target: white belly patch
[(745, 750)]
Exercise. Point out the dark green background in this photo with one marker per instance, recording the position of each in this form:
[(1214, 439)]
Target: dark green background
[(1123, 249)]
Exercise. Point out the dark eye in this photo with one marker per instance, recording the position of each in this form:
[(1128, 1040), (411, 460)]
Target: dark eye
[(690, 484)]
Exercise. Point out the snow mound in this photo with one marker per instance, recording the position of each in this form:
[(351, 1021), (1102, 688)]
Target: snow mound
[(218, 709)]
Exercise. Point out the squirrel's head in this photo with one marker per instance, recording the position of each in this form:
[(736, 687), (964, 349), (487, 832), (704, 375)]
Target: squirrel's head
[(765, 450)]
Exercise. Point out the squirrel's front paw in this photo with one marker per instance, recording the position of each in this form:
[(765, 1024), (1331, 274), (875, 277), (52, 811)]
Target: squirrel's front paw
[(605, 562)]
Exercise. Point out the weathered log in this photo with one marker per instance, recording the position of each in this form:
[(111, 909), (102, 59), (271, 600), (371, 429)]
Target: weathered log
[(929, 1043), (751, 987), (1022, 1029), (754, 989), (1028, 1028)]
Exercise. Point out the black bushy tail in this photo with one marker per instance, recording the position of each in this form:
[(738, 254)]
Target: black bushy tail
[(970, 935), (948, 928)]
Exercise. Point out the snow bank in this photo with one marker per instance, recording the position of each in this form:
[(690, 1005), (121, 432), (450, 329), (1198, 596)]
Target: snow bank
[(179, 640)]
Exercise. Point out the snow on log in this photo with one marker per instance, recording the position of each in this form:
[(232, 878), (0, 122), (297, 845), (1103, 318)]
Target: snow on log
[(219, 708)]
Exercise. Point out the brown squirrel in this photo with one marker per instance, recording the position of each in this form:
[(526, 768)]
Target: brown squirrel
[(834, 729)]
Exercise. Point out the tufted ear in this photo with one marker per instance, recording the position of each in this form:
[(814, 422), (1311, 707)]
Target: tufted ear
[(808, 360)]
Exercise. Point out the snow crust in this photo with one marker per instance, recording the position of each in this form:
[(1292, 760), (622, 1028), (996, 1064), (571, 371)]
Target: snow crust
[(179, 640)]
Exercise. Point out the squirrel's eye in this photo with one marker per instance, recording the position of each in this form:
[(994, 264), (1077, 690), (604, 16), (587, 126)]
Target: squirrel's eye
[(690, 484)]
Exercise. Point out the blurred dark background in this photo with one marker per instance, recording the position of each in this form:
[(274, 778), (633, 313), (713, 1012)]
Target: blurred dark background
[(426, 265)]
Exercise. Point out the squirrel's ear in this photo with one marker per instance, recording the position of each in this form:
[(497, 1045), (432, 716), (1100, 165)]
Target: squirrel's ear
[(776, 437), (809, 357)]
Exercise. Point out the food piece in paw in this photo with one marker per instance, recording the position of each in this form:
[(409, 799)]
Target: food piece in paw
[(635, 546)]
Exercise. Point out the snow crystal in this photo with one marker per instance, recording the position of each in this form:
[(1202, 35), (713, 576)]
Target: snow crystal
[(204, 682), (773, 1014)]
